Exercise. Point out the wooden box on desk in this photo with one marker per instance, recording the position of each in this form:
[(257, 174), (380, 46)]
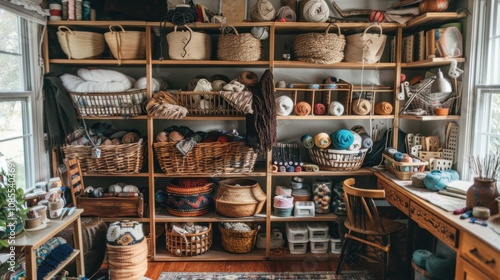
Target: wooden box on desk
[(112, 206), (404, 170)]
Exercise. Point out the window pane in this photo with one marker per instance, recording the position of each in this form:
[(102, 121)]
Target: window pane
[(9, 28), (11, 119), (10, 73), (13, 151)]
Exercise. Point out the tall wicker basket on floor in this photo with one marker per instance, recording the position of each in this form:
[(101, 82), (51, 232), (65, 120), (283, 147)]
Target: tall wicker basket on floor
[(128, 262), (239, 242)]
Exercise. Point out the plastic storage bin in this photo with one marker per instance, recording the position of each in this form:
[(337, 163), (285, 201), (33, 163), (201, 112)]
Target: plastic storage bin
[(304, 209), (318, 231), (297, 232), (283, 211), (297, 247), (335, 246), (319, 246)]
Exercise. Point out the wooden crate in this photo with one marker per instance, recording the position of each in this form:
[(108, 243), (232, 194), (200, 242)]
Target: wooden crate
[(112, 207)]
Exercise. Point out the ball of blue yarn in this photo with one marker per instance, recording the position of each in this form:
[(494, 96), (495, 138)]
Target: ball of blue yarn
[(342, 139), (440, 265), (438, 179), (398, 156), (420, 257)]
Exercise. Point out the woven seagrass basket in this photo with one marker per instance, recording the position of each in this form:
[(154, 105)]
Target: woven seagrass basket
[(109, 104), (334, 160), (115, 159), (126, 44), (189, 201), (321, 48), (238, 46), (239, 242), (189, 244), (127, 262), (239, 198), (80, 44)]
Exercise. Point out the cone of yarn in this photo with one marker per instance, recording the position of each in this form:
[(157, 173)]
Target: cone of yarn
[(319, 109), (263, 10), (356, 144), (284, 105), (336, 108), (286, 13), (302, 109), (361, 107), (342, 139), (383, 108), (315, 10), (322, 140)]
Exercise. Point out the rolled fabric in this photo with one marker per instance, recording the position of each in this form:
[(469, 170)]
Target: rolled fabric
[(322, 140), (248, 78), (307, 140), (342, 139), (315, 11), (284, 105), (438, 179), (283, 201), (336, 108), (302, 109), (356, 144), (366, 142), (286, 13), (319, 109), (361, 106), (383, 108)]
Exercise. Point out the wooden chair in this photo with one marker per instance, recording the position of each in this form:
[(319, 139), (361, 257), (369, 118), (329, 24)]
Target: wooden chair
[(75, 178), (365, 226)]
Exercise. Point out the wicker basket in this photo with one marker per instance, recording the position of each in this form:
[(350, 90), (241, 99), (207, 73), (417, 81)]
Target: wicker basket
[(127, 262), (211, 158), (109, 104), (80, 44), (238, 241), (126, 44), (336, 160), (404, 170), (319, 48), (239, 198), (210, 103), (365, 47), (238, 47), (115, 159), (428, 100), (189, 201), (189, 244)]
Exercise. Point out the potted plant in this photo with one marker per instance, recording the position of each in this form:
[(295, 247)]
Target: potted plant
[(13, 212)]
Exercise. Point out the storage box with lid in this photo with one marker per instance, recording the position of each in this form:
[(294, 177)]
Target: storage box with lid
[(296, 232), (318, 231), (335, 246), (297, 247), (304, 209), (319, 246)]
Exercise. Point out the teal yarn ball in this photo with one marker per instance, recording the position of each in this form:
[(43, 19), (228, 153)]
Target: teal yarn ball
[(420, 257), (441, 266), (398, 156), (342, 139), (438, 179)]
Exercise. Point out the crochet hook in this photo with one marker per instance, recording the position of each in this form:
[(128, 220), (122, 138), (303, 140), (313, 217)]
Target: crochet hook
[(479, 222)]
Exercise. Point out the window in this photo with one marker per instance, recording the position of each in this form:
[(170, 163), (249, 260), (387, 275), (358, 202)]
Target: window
[(20, 103), (486, 81)]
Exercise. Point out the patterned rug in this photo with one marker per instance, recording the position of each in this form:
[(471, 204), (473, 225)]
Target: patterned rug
[(322, 275)]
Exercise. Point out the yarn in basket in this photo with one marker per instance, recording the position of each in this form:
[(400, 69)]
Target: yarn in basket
[(342, 139), (322, 140)]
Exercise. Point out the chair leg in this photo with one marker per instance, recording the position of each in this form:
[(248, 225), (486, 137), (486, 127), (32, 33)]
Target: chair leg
[(346, 247)]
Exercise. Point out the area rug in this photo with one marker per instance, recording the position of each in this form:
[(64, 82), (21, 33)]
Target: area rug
[(322, 275)]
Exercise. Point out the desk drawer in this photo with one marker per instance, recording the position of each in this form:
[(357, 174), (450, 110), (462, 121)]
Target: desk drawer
[(395, 198), (480, 255), (437, 227)]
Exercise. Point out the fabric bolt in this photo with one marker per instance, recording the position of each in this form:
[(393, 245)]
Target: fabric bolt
[(342, 139)]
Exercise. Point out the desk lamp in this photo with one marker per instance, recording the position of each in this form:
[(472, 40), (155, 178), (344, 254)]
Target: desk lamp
[(441, 85)]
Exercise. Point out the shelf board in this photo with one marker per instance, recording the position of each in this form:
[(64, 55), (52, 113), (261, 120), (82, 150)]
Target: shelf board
[(215, 253), (429, 118), (202, 25), (302, 27), (432, 62), (62, 264), (91, 174), (211, 63), (339, 65), (163, 216), (318, 218), (140, 220), (433, 18), (97, 23), (329, 117), (108, 61), (259, 171), (212, 118), (140, 117), (359, 172)]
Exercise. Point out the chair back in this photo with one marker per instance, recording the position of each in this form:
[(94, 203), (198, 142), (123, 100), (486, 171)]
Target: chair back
[(362, 212), (75, 178)]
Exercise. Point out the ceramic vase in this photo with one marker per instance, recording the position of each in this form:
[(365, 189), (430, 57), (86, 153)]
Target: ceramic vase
[(483, 193)]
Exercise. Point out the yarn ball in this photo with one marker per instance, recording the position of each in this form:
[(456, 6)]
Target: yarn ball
[(130, 137), (219, 77), (336, 108), (106, 142), (192, 84), (361, 106), (316, 11), (307, 140), (356, 144), (286, 13), (248, 78), (438, 179), (330, 80), (125, 233), (398, 156), (263, 10), (376, 16), (342, 139), (302, 109), (175, 136), (284, 105), (322, 140), (441, 266), (420, 257), (281, 84), (319, 109), (383, 108), (417, 180), (260, 32), (218, 85)]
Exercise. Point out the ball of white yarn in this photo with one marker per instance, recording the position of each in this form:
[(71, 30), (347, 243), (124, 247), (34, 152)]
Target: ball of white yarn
[(284, 105), (260, 32), (336, 108), (263, 10), (316, 11)]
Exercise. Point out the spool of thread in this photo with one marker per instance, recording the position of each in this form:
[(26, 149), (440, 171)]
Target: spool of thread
[(263, 10), (398, 156), (260, 32), (282, 169), (307, 141), (315, 11), (420, 257), (302, 109), (284, 105), (342, 139), (361, 106), (322, 140), (313, 86), (290, 168), (86, 10), (65, 4), (55, 11), (336, 108), (248, 78), (319, 109), (480, 212), (286, 13)]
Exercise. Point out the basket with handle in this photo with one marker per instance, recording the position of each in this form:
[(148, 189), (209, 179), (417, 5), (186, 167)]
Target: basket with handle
[(80, 44), (126, 44), (321, 48), (365, 47), (238, 46), (189, 45)]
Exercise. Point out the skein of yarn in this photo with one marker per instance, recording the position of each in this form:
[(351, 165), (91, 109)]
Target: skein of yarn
[(322, 140), (336, 108), (315, 11), (286, 13), (367, 141), (319, 109), (361, 106), (357, 143), (263, 10), (307, 140), (284, 105), (342, 139), (260, 32), (302, 109), (383, 108)]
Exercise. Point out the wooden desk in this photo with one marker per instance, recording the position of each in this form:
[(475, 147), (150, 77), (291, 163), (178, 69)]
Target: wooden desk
[(477, 247), (34, 239)]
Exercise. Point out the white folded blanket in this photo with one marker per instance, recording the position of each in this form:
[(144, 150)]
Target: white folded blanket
[(97, 81), (158, 84)]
